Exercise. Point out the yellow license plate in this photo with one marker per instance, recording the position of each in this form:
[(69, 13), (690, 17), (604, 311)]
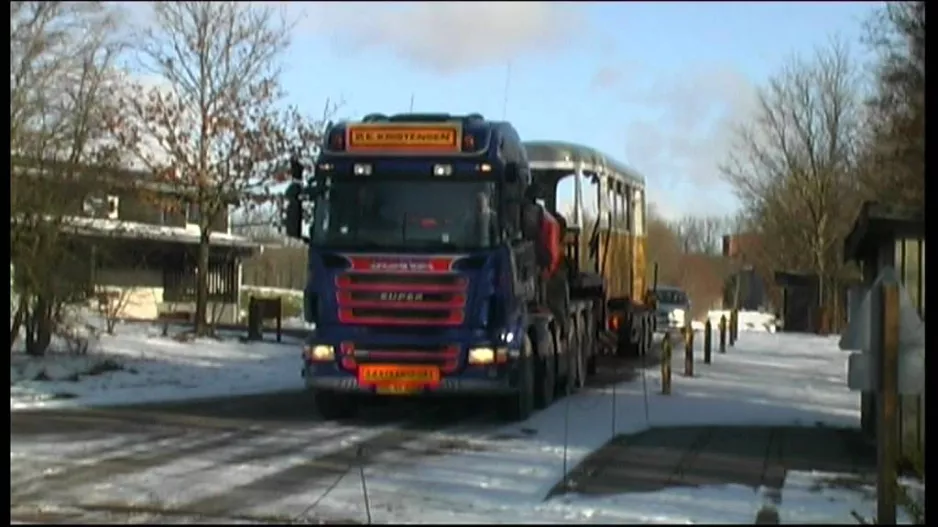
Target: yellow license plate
[(396, 389), (398, 374)]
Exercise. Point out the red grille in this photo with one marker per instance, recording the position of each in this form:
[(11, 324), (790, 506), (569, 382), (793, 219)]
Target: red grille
[(401, 299)]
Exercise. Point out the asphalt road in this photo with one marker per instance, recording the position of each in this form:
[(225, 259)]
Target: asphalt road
[(152, 437)]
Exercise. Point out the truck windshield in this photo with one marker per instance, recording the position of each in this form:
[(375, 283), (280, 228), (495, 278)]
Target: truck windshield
[(671, 296), (406, 214)]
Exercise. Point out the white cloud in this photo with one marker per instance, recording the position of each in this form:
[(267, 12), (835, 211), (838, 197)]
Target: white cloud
[(692, 134), (445, 37)]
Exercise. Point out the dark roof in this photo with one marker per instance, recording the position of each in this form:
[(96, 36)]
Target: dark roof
[(878, 223), (559, 155)]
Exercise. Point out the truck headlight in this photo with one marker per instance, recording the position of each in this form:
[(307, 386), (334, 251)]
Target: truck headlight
[(487, 355), (319, 352), (442, 170)]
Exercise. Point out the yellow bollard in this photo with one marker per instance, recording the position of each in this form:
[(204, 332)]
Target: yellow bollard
[(666, 365)]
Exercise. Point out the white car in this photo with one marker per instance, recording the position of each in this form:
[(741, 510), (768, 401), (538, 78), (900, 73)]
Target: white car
[(673, 308)]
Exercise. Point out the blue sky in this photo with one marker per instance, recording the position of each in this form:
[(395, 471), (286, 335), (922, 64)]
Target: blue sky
[(653, 84)]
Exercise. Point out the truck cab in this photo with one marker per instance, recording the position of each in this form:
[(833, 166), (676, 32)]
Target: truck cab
[(419, 274)]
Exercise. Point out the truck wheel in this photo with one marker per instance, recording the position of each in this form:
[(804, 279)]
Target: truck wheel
[(334, 406), (545, 377), (520, 405), (625, 348)]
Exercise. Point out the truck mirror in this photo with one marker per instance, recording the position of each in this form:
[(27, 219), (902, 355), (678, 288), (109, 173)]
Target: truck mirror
[(296, 169), (293, 211)]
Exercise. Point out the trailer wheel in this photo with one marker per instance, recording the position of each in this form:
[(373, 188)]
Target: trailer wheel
[(545, 376), (334, 406), (519, 406)]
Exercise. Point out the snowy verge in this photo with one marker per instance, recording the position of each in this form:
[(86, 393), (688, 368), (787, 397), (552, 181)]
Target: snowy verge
[(139, 365)]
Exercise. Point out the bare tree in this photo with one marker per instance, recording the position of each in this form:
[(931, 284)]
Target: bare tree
[(213, 126), (893, 164), (662, 247), (701, 234), (63, 78), (793, 167), (111, 304), (257, 222)]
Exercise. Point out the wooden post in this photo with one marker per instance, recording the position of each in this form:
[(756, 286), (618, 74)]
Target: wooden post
[(722, 333), (255, 322), (666, 364), (888, 402), (708, 329), (733, 327), (688, 351), (279, 320)]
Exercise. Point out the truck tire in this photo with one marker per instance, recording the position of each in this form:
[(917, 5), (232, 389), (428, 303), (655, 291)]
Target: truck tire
[(333, 406), (519, 406), (545, 374), (626, 347)]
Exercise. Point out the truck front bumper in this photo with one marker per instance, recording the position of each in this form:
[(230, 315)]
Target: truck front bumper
[(463, 384)]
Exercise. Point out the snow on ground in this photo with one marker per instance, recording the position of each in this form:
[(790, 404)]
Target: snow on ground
[(748, 320), (138, 364), (767, 379), (501, 476)]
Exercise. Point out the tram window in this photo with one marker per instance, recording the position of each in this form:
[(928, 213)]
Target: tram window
[(639, 205)]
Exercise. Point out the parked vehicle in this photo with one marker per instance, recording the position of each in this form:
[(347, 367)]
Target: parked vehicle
[(673, 308)]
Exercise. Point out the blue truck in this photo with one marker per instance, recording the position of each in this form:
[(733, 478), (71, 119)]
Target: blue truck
[(438, 265)]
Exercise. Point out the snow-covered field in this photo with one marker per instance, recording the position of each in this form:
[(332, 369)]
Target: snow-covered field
[(748, 320), (138, 365), (491, 474)]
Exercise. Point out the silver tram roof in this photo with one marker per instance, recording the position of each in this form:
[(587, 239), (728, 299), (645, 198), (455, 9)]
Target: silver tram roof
[(560, 155)]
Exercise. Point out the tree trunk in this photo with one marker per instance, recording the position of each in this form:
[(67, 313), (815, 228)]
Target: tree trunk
[(201, 284), (39, 326), (17, 323)]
